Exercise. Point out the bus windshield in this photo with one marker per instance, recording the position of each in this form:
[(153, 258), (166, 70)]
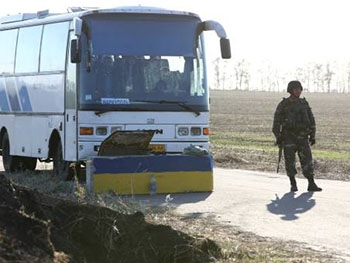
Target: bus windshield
[(142, 63)]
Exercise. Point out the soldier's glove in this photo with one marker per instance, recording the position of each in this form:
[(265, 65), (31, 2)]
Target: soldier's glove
[(312, 141)]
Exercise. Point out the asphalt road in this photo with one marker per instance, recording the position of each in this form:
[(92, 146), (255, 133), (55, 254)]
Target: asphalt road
[(262, 203)]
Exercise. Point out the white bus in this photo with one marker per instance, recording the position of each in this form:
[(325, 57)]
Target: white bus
[(67, 81)]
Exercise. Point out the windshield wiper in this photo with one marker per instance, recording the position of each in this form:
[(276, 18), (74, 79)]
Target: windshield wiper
[(183, 105), (179, 103), (100, 112)]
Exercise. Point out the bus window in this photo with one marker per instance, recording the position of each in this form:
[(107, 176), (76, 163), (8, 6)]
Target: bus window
[(53, 47), (7, 50), (27, 57)]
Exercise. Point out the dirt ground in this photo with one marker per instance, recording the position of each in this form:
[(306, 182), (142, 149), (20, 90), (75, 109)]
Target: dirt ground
[(38, 228), (35, 227)]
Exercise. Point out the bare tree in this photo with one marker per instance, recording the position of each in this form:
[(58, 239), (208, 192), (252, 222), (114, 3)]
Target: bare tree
[(328, 77), (242, 75), (216, 63), (222, 76), (317, 76), (348, 77), (302, 74), (270, 77)]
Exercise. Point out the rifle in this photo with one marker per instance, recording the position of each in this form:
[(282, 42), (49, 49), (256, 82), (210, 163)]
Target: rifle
[(280, 149), (280, 143)]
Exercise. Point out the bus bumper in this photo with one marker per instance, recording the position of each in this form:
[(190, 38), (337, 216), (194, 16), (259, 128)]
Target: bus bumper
[(148, 174)]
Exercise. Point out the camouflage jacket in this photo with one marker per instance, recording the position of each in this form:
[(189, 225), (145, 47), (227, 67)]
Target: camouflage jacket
[(294, 117)]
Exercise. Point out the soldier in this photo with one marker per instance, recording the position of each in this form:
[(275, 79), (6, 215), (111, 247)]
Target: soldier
[(294, 128)]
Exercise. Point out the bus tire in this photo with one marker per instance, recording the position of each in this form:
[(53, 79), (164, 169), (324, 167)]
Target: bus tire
[(29, 163), (26, 164), (61, 168), (10, 162)]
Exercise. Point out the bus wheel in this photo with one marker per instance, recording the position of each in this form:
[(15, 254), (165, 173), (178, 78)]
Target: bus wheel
[(26, 164), (29, 163), (10, 162), (61, 167)]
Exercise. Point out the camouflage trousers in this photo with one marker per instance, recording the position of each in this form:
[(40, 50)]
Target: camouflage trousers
[(301, 147)]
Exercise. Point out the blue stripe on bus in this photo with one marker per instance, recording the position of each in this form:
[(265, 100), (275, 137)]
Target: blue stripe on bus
[(4, 105), (150, 163), (24, 97), (11, 91)]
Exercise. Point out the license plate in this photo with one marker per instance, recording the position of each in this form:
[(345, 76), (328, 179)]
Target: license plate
[(157, 148)]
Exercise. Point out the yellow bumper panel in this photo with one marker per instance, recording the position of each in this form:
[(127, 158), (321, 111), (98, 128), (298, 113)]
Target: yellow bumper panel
[(135, 174)]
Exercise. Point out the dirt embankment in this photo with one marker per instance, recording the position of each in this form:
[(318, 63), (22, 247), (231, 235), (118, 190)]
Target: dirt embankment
[(38, 228)]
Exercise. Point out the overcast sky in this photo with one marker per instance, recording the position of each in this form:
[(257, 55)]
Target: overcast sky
[(285, 32)]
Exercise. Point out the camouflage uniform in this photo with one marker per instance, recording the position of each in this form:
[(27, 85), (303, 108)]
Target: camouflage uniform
[(294, 128)]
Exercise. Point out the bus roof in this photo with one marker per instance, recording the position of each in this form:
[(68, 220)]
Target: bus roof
[(42, 17)]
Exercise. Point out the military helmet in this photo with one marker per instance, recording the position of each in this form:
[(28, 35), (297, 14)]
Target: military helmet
[(294, 84)]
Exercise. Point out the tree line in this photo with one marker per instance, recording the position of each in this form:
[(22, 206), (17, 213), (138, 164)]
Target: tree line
[(324, 77)]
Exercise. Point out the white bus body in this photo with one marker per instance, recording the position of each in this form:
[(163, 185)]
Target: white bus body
[(67, 81)]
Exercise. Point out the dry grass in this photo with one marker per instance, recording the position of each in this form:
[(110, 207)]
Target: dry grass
[(241, 246), (241, 136), (234, 245)]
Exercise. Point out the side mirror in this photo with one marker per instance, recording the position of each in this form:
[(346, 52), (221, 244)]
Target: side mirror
[(78, 25), (225, 48), (75, 51), (220, 31)]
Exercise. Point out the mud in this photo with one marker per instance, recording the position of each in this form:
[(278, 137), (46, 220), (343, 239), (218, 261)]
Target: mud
[(39, 228)]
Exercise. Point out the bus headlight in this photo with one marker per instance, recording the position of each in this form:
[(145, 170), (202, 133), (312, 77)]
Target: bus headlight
[(101, 131), (195, 131), (183, 131)]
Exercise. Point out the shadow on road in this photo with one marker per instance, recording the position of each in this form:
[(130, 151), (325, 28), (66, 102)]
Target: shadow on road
[(290, 206)]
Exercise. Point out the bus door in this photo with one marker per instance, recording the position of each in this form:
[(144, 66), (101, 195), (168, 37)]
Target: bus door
[(71, 139)]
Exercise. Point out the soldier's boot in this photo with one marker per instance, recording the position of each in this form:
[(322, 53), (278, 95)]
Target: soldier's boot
[(312, 187), (293, 184)]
